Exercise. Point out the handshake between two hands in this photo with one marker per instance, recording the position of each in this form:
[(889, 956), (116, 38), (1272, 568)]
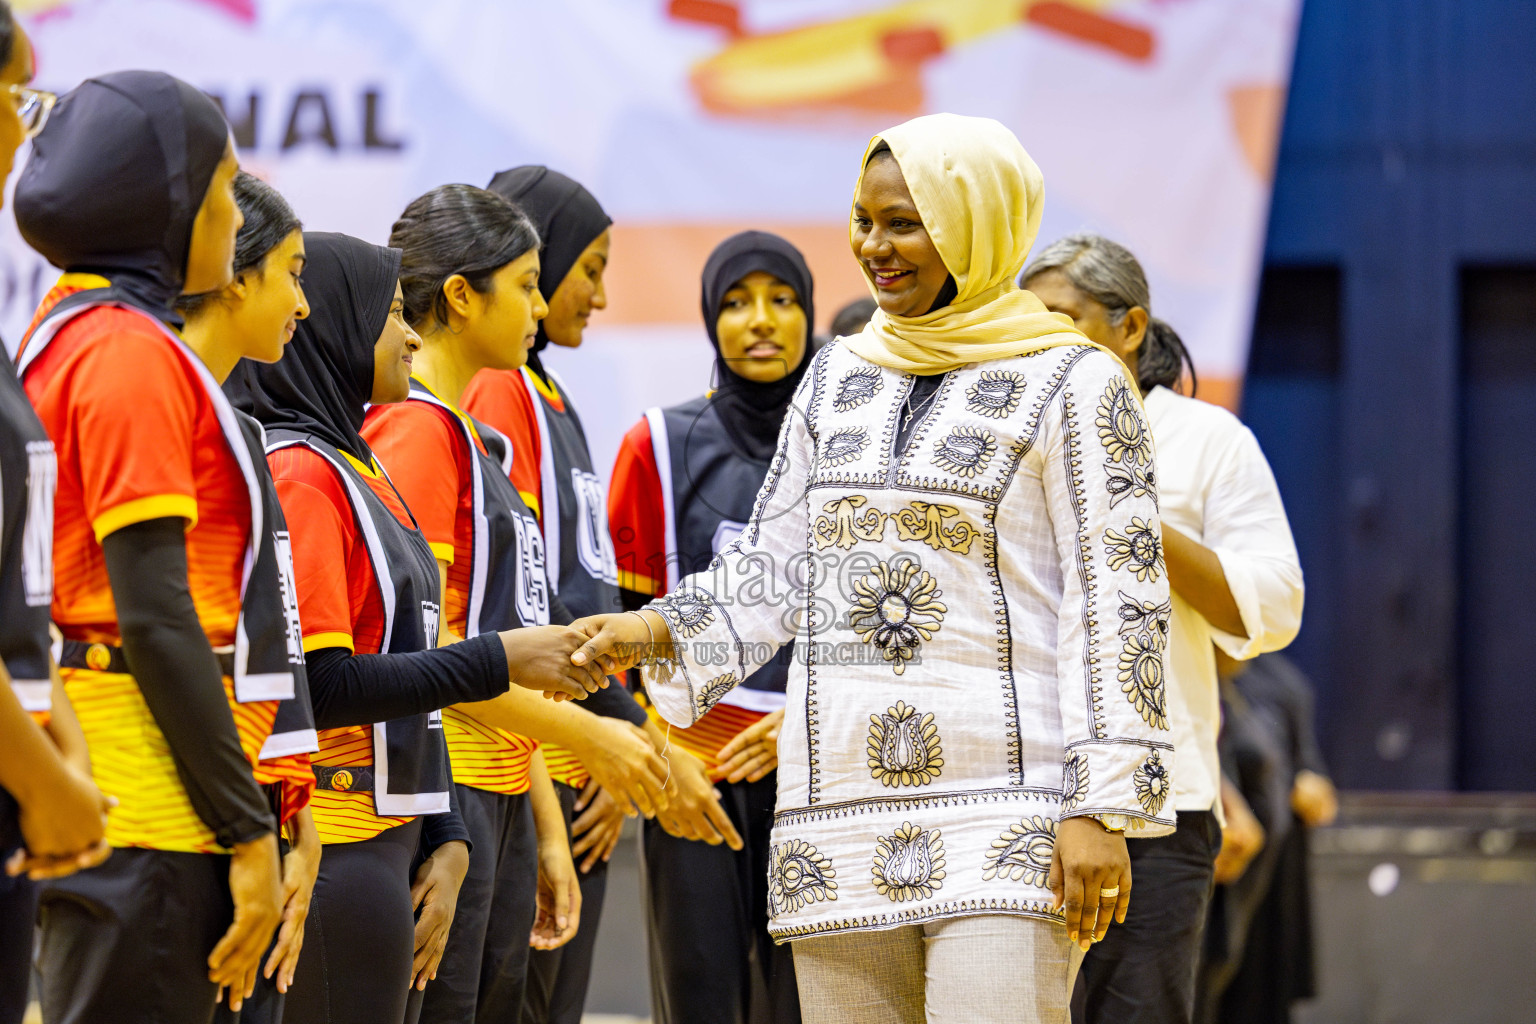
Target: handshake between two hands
[(570, 662)]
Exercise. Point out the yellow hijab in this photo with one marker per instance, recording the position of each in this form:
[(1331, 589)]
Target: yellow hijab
[(980, 197)]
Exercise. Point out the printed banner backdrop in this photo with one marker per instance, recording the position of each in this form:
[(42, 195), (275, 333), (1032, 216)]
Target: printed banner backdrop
[(1154, 121)]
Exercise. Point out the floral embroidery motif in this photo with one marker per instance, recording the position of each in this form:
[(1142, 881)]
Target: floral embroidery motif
[(1023, 852), (996, 393), (1139, 546), (1143, 616), (1130, 481), (1074, 781), (922, 521), (843, 525), (1152, 783), (1141, 678), (904, 747), (798, 876), (716, 688), (857, 387), (896, 608), (843, 446), (691, 609), (909, 865), (1121, 429), (966, 451)]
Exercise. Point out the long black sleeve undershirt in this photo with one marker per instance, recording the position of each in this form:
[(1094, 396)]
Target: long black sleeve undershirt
[(437, 829), (360, 689), (179, 676)]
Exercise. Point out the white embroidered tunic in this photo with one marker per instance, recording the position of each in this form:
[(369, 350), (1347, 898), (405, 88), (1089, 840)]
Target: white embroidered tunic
[(982, 619)]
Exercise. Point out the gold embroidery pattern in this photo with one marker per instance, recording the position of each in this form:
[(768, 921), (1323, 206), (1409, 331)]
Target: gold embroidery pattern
[(924, 521), (1023, 852), (996, 393), (965, 451), (904, 747), (896, 608), (1121, 429), (1139, 546), (1074, 781), (909, 865), (1153, 783), (844, 525), (1141, 678), (799, 876)]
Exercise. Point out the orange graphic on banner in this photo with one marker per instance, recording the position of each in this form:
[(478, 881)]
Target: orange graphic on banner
[(872, 62)]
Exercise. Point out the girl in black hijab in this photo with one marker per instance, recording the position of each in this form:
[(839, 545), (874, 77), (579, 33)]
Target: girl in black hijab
[(684, 485), (129, 190), (554, 472), (369, 600)]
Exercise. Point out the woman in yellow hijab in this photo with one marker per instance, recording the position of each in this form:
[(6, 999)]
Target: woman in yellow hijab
[(960, 525)]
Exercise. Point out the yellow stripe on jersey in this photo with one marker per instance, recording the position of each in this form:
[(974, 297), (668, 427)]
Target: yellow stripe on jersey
[(130, 760), (142, 510), (486, 757), (320, 641), (347, 817), (443, 552), (639, 583), (564, 766)]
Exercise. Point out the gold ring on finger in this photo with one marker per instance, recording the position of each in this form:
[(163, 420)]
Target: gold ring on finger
[(1109, 894)]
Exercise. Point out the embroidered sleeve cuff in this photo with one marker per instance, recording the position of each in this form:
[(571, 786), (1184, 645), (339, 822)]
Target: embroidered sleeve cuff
[(1129, 778)]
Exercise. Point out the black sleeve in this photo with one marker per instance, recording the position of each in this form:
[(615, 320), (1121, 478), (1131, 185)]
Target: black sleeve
[(179, 676), (360, 689), (437, 829)]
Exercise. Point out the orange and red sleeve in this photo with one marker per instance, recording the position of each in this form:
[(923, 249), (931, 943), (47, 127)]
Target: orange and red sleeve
[(637, 515), (415, 444), (500, 399), (133, 408), (321, 529)]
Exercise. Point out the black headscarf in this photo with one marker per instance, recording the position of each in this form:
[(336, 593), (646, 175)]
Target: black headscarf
[(116, 179), (569, 219), (322, 384), (752, 412)]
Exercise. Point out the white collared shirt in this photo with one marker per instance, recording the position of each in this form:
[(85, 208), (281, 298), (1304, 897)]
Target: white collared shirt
[(1214, 485)]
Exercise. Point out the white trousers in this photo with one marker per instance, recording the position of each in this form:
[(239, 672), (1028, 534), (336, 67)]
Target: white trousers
[(989, 969)]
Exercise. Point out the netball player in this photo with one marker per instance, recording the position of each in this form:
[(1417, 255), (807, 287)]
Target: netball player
[(52, 817), (469, 278), (370, 604), (165, 577), (684, 484), (256, 314), (553, 471)]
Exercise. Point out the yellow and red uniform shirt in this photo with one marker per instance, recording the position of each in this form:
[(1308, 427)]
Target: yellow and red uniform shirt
[(426, 457), (138, 438), (339, 606), (499, 399)]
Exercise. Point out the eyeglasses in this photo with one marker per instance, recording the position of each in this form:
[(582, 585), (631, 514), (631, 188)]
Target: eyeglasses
[(33, 107)]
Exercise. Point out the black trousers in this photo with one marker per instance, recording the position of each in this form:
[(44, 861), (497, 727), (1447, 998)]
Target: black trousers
[(485, 968), (558, 978), (1144, 971), (18, 911), (128, 941), (712, 961), (359, 941)]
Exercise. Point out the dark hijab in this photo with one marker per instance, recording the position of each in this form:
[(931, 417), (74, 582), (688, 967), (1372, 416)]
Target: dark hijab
[(322, 384), (116, 179), (752, 412), (569, 219)]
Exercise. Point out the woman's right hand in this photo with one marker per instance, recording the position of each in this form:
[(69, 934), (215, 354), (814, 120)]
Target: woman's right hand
[(622, 640), (540, 658), (619, 756)]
